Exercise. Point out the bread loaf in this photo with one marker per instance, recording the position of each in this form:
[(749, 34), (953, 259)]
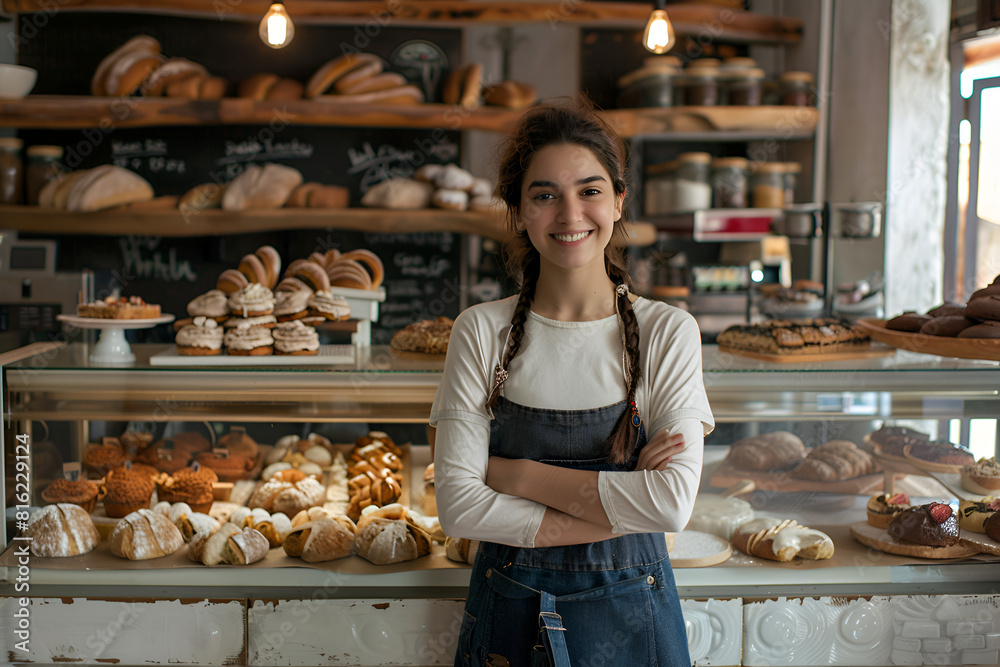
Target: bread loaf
[(273, 527), (107, 186), (511, 94), (461, 550), (779, 540), (190, 524), (139, 43), (322, 539), (399, 193), (169, 71), (288, 498), (228, 545), (145, 534), (329, 73), (285, 90), (388, 535), (300, 195), (266, 187), (200, 197), (61, 530), (257, 86), (779, 450), (835, 461)]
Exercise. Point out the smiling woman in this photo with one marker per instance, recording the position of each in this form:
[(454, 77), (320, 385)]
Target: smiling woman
[(542, 420)]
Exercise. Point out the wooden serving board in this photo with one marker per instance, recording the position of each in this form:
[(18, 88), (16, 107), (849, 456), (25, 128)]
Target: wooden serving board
[(942, 346), (981, 542), (872, 353), (726, 475), (695, 549), (930, 466), (878, 538)]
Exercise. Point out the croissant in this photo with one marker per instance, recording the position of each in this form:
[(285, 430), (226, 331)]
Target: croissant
[(145, 534), (228, 545), (387, 535), (781, 540), (321, 540)]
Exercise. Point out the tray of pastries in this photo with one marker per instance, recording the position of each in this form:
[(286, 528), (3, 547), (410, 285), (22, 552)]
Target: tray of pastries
[(791, 341)]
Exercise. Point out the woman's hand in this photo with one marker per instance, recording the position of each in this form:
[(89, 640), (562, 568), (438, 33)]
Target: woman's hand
[(502, 475), (659, 451)]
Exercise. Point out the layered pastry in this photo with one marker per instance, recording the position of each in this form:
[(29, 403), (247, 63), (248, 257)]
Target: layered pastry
[(201, 338), (972, 514), (984, 473), (782, 540), (295, 338), (778, 450), (327, 305), (941, 452), (119, 308), (77, 492), (247, 341), (227, 468), (188, 485), (932, 525), (883, 508), (291, 304), (213, 304), (426, 336), (126, 491), (794, 337), (375, 473), (254, 300)]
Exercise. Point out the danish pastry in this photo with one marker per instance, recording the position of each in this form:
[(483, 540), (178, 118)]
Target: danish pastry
[(783, 541)]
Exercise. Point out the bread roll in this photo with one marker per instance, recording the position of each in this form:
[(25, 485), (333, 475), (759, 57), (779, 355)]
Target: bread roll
[(511, 94), (333, 70), (273, 527), (351, 85), (143, 43), (61, 530), (835, 461), (300, 195), (257, 86), (201, 197), (329, 196), (320, 540), (187, 87), (285, 90), (453, 200), (266, 187), (145, 534), (461, 550), (170, 70), (108, 186), (464, 86), (367, 66), (399, 193), (212, 88), (228, 545), (192, 523)]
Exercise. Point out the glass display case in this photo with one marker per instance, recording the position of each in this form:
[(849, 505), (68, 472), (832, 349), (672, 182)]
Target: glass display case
[(58, 397)]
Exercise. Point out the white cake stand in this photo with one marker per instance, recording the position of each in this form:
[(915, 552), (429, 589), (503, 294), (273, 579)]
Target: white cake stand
[(112, 347)]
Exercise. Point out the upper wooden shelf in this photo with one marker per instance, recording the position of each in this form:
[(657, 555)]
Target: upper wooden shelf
[(174, 222), (688, 19), (73, 112)]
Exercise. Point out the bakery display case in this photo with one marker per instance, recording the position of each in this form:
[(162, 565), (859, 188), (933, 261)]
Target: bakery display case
[(59, 391)]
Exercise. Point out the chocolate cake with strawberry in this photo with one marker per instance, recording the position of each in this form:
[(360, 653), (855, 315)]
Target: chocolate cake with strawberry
[(932, 525)]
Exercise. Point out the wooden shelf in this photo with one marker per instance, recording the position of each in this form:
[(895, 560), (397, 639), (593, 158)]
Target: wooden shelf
[(688, 19), (173, 222), (80, 111)]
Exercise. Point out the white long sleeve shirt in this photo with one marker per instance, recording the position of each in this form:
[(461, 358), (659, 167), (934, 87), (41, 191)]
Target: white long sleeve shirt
[(568, 366)]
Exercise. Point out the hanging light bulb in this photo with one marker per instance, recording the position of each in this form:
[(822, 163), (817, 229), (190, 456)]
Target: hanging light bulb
[(276, 28), (659, 34)]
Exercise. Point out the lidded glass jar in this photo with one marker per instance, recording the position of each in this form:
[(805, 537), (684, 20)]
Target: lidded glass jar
[(692, 191), (660, 188), (768, 185), (11, 171), (699, 86), (43, 166), (651, 85), (791, 177), (740, 81), (729, 182), (796, 89)]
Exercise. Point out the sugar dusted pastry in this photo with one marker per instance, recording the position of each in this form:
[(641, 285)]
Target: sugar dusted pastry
[(253, 300), (213, 303), (145, 534), (60, 531), (228, 545), (779, 540), (322, 539)]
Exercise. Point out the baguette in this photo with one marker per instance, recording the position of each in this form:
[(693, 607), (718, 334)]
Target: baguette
[(371, 84), (782, 541)]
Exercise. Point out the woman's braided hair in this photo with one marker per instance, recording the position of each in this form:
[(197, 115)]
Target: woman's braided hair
[(574, 123)]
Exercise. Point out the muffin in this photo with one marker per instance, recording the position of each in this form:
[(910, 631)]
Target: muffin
[(187, 485), (79, 492), (202, 338), (101, 458), (246, 341), (238, 442), (230, 468), (135, 444), (126, 491), (295, 338)]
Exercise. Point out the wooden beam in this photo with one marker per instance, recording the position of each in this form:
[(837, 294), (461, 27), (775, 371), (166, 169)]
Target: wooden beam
[(715, 22)]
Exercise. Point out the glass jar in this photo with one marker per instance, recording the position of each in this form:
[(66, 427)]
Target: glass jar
[(729, 182), (11, 171), (692, 191), (791, 177), (659, 186), (769, 185), (796, 89), (699, 86), (43, 166), (650, 86), (743, 86)]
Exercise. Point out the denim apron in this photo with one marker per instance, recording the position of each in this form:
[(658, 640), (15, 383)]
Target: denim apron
[(606, 603)]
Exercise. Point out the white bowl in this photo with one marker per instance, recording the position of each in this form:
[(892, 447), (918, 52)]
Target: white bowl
[(16, 81)]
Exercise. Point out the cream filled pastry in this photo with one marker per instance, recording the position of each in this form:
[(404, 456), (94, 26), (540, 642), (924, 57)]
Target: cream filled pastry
[(245, 340), (266, 321), (202, 338), (295, 338), (291, 304), (213, 303), (332, 307), (253, 300)]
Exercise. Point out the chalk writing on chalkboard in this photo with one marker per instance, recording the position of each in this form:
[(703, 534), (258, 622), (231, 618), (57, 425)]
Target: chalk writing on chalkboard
[(142, 258), (377, 165), (148, 154), (254, 149)]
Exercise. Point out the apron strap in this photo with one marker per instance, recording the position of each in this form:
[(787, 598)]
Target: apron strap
[(553, 634)]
